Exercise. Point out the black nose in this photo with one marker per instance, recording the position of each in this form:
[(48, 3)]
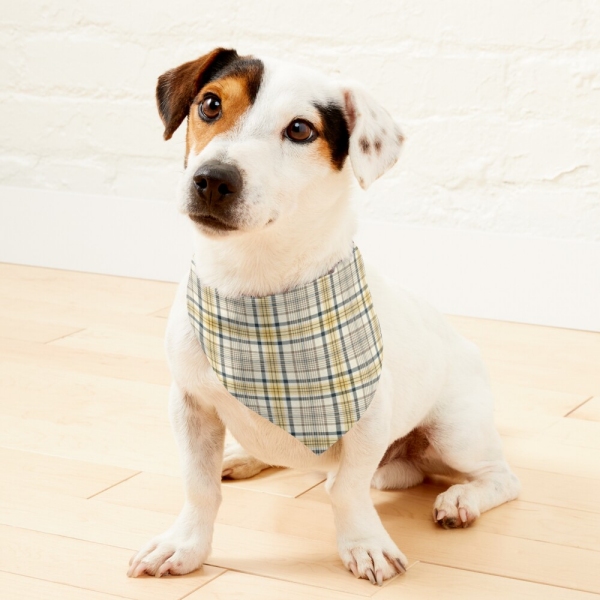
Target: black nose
[(217, 183)]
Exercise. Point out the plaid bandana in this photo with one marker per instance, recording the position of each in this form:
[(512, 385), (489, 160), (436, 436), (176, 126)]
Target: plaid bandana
[(308, 360)]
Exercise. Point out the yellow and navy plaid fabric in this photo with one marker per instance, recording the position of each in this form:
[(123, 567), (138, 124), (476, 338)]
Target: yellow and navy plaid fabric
[(308, 360)]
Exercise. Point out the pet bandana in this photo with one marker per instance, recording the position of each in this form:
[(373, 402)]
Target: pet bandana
[(308, 360)]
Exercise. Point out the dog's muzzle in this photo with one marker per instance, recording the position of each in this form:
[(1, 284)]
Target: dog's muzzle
[(216, 187)]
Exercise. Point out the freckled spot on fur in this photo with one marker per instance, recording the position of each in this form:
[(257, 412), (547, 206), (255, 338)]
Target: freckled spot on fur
[(400, 138), (377, 145), (365, 146)]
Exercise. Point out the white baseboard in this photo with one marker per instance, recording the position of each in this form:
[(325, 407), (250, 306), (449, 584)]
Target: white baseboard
[(531, 280)]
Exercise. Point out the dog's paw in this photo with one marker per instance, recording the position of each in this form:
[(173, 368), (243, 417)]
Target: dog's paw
[(170, 554), (456, 507), (238, 464), (372, 559)]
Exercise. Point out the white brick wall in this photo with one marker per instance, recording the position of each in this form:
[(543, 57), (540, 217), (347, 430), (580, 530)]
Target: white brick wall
[(500, 99)]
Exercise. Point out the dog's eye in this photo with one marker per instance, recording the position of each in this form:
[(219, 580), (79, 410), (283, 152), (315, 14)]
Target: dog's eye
[(210, 108), (299, 130)]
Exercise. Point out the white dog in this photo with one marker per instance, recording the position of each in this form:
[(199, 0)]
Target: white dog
[(267, 185)]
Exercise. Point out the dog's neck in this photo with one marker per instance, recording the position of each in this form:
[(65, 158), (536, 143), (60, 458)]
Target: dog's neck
[(290, 253)]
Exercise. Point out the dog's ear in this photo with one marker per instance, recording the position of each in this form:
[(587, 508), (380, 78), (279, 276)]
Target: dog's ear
[(177, 88), (375, 138)]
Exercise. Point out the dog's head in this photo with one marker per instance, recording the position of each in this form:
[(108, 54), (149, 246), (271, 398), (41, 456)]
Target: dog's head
[(265, 138)]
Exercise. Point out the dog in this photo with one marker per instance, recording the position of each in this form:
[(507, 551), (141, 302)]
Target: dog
[(271, 150)]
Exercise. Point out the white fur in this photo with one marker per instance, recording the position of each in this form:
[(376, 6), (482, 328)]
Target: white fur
[(295, 224)]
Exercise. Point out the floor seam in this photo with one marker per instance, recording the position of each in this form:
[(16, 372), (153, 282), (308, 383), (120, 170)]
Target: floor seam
[(62, 337), (578, 406), (544, 583), (77, 587), (207, 583), (113, 485)]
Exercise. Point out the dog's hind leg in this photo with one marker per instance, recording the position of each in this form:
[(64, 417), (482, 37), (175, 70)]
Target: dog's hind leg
[(400, 466), (398, 474), (238, 464), (468, 442)]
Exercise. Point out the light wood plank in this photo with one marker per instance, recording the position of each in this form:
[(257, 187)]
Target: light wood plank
[(556, 359), (282, 482), (564, 526), (551, 456), (121, 443), (95, 418), (120, 341), (524, 411), (18, 587), (77, 316), (94, 363), (590, 411), (555, 489), (78, 397), (72, 288), (33, 331), (250, 587), (90, 566), (426, 581), (163, 493), (49, 473), (573, 432)]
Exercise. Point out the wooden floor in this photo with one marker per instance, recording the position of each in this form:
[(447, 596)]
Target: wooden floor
[(89, 470)]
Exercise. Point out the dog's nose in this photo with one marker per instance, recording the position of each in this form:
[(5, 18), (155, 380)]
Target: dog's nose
[(218, 183)]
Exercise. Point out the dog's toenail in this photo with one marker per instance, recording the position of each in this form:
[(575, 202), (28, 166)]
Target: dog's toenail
[(401, 568)]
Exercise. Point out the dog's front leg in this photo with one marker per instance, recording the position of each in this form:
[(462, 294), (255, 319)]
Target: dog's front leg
[(365, 546), (184, 547)]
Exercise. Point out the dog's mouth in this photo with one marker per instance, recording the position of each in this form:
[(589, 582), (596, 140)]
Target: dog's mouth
[(211, 222)]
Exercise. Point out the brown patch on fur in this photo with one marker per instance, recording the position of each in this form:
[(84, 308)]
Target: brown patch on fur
[(411, 447), (377, 145), (365, 145), (177, 88), (235, 101), (334, 138)]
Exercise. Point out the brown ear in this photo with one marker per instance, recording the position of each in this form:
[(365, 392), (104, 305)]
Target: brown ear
[(177, 88)]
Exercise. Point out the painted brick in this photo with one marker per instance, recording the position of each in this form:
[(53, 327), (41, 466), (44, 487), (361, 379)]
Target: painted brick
[(499, 99)]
